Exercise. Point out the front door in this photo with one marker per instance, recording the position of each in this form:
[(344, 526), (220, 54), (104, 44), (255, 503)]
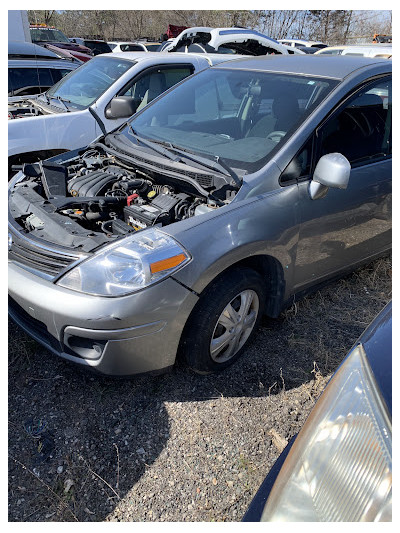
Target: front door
[(349, 226)]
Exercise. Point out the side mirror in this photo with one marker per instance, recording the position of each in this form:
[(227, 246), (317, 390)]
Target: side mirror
[(332, 170), (122, 107)]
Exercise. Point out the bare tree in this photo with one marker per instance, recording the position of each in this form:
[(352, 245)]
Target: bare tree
[(41, 16), (331, 26)]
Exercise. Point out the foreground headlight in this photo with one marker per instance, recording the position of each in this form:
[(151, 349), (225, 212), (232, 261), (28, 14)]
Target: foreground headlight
[(127, 265), (340, 466)]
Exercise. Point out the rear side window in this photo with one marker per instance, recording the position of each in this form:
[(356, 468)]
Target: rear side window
[(362, 129), (26, 81)]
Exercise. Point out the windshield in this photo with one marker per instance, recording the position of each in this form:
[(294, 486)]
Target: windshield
[(240, 116), (85, 84), (48, 35), (152, 47)]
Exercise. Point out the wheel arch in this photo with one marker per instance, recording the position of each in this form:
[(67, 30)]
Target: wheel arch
[(271, 272)]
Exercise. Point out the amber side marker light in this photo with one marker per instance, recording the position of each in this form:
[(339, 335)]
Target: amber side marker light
[(168, 263)]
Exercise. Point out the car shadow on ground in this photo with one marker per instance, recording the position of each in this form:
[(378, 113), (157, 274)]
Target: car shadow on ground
[(79, 442)]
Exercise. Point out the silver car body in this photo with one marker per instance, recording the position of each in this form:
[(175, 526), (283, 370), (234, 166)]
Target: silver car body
[(297, 243)]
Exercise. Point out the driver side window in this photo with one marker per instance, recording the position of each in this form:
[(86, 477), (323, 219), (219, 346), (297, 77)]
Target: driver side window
[(361, 130), (153, 83)]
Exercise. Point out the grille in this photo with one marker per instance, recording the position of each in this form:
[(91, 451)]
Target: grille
[(45, 260)]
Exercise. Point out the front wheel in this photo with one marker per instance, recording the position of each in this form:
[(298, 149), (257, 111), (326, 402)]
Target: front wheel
[(223, 321)]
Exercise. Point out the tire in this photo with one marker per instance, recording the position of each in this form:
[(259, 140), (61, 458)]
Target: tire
[(216, 333)]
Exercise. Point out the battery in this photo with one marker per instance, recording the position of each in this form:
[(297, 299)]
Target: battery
[(142, 216)]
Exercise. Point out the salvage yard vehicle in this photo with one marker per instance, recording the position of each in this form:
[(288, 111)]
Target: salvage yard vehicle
[(96, 98), (134, 46), (339, 467), (225, 41), (300, 43), (242, 188), (32, 69), (97, 46), (366, 50), (43, 34)]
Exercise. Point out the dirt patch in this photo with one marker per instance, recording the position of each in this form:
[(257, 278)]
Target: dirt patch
[(178, 447)]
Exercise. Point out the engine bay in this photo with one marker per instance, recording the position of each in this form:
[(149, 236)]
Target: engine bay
[(100, 195), (23, 108)]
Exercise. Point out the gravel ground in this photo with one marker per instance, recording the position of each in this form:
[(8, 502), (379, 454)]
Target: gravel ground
[(177, 447)]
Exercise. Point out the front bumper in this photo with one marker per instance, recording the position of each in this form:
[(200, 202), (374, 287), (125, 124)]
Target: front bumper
[(128, 335)]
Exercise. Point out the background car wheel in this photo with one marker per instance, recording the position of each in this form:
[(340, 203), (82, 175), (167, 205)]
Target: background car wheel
[(223, 321)]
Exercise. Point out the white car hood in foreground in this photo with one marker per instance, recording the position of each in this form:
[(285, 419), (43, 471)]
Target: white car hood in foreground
[(51, 131)]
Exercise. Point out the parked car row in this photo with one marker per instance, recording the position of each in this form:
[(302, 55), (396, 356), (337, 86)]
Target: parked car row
[(370, 50)]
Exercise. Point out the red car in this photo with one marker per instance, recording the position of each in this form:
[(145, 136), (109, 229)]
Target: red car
[(42, 34)]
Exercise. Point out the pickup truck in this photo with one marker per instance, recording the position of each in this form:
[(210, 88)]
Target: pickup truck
[(93, 100)]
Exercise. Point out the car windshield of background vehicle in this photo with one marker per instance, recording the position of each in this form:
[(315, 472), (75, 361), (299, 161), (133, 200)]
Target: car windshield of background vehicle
[(85, 84), (239, 116), (48, 35), (152, 47)]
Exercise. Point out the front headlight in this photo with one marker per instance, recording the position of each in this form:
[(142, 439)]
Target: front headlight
[(127, 265), (340, 466)]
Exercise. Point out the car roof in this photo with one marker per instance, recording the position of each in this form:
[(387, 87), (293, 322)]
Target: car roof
[(335, 67), (21, 49), (300, 41), (137, 55)]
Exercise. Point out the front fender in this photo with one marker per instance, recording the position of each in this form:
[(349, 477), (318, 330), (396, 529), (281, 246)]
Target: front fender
[(266, 225)]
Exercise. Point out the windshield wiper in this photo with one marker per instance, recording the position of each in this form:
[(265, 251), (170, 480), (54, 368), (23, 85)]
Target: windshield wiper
[(63, 100), (218, 165), (45, 95), (153, 146)]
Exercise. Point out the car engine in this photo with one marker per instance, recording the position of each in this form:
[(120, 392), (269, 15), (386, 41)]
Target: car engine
[(103, 195)]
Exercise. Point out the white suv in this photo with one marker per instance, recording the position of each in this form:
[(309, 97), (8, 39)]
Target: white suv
[(96, 98)]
